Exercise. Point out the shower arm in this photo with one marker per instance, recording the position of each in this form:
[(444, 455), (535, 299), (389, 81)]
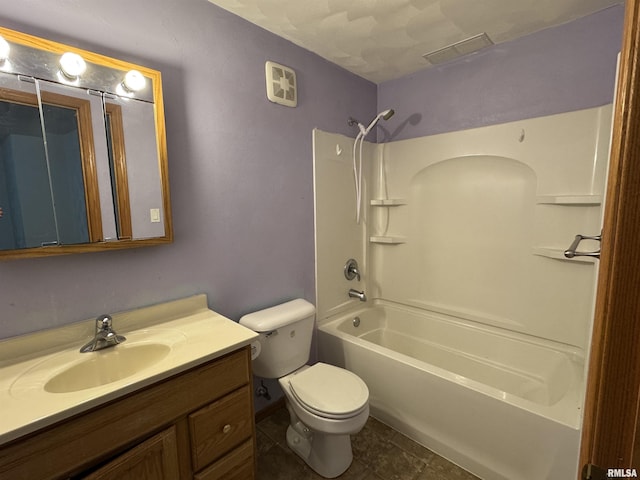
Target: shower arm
[(386, 115)]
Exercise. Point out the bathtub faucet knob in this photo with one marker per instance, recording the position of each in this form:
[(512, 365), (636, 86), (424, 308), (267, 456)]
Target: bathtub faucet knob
[(357, 294), (351, 270)]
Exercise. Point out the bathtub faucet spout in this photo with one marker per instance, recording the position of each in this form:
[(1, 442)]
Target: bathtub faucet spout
[(357, 294)]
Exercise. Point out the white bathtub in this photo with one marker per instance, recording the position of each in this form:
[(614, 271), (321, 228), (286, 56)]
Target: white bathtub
[(501, 405)]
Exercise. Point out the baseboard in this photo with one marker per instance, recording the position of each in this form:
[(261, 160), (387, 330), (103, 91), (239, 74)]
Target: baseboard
[(270, 409)]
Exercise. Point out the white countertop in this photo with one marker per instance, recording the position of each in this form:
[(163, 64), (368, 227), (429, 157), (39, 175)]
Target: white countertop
[(194, 333)]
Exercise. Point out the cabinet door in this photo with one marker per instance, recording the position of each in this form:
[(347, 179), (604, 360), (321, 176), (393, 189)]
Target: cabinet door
[(153, 459)]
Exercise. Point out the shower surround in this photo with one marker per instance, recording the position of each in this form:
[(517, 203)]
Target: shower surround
[(480, 323)]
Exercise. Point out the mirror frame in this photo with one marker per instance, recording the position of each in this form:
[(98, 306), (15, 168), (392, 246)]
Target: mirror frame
[(161, 144)]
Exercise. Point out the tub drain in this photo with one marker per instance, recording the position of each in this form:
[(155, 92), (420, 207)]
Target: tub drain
[(356, 322)]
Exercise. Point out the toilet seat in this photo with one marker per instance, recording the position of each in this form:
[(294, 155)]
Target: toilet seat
[(329, 391)]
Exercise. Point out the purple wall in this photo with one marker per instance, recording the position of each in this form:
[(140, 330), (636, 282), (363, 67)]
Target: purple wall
[(557, 70), (240, 166)]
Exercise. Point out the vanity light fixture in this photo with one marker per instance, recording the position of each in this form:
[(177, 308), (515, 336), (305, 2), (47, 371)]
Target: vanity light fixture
[(72, 65), (134, 81)]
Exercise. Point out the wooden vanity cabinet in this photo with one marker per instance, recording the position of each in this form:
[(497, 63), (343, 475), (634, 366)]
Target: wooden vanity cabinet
[(195, 425), (156, 457)]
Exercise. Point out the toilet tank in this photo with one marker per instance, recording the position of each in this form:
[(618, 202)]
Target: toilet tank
[(285, 337)]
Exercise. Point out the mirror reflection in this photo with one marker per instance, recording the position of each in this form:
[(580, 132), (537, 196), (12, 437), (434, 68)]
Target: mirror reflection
[(82, 156), (133, 141)]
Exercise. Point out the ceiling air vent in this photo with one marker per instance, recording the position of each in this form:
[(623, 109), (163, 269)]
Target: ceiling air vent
[(282, 87), (458, 49)]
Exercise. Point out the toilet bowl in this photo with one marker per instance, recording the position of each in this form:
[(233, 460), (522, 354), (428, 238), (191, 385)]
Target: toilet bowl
[(326, 403)]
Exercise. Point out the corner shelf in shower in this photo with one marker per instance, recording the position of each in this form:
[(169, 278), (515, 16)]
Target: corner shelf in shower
[(388, 202), (578, 200), (558, 254), (388, 239)]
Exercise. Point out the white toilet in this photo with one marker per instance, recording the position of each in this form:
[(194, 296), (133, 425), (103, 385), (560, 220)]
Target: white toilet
[(326, 403)]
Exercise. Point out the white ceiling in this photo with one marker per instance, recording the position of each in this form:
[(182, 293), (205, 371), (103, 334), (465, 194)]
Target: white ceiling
[(385, 39)]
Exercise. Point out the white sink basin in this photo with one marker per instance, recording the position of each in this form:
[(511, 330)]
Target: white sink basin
[(71, 371), (106, 366)]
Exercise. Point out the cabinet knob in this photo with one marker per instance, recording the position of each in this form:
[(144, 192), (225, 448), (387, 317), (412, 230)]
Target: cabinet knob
[(226, 428)]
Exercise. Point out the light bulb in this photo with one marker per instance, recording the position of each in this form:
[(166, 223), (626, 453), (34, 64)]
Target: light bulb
[(134, 81), (4, 49), (72, 65)]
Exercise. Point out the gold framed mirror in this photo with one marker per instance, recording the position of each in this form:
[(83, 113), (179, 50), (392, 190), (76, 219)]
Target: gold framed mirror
[(83, 156)]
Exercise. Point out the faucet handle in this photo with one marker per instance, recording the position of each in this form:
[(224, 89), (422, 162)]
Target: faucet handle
[(103, 322), (351, 270)]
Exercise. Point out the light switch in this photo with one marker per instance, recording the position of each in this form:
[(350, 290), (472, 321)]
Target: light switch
[(154, 213)]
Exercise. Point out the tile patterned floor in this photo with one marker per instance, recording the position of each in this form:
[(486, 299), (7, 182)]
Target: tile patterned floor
[(379, 452)]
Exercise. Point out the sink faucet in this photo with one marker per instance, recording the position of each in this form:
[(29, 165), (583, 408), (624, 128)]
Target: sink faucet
[(357, 294), (105, 336)]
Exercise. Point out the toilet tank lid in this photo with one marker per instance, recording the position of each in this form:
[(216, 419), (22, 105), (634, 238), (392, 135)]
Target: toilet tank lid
[(276, 317)]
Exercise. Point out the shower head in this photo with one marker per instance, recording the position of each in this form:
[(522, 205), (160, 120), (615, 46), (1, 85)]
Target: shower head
[(386, 115)]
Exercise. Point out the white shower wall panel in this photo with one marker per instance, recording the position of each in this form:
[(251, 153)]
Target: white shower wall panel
[(338, 236), (484, 216)]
